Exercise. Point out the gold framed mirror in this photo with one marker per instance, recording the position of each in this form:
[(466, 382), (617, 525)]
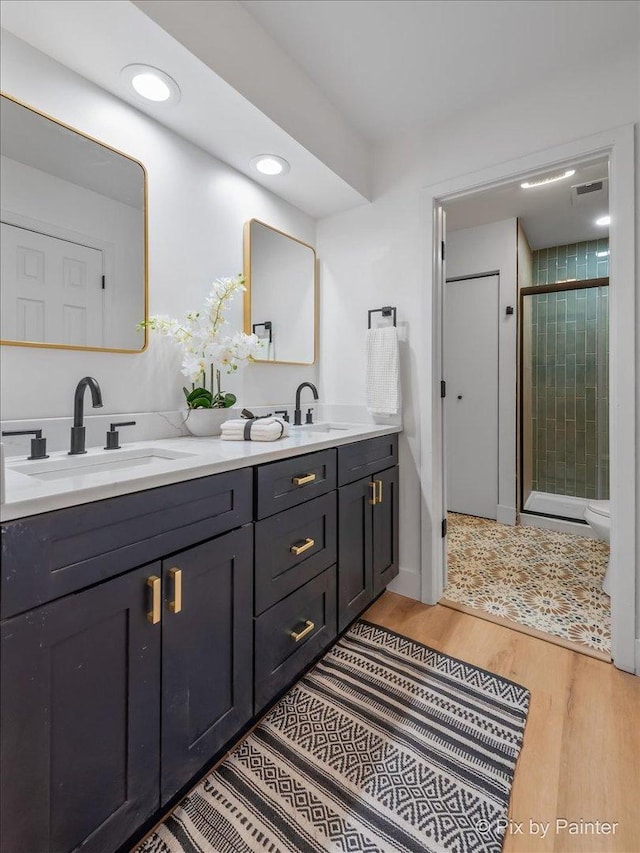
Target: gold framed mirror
[(280, 302), (74, 245)]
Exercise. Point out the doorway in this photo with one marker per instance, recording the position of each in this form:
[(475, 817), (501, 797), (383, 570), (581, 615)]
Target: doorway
[(617, 144)]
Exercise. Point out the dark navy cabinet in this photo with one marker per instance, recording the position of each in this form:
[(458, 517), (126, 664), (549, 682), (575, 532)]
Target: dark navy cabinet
[(142, 633), (80, 719), (367, 529)]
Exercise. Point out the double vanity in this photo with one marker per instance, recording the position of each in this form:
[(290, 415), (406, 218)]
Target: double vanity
[(157, 599)]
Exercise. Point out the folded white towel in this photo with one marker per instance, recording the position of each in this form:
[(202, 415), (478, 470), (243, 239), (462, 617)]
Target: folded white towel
[(259, 429), (383, 371)]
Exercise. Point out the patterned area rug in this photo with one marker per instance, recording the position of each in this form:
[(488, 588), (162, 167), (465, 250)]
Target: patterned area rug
[(542, 579), (385, 745)]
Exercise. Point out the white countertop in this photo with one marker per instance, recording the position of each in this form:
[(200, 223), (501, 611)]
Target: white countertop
[(26, 494)]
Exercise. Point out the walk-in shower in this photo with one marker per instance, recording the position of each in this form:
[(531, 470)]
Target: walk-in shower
[(564, 386)]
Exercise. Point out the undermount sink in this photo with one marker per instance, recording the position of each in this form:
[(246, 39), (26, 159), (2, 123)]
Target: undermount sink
[(324, 427), (72, 466)]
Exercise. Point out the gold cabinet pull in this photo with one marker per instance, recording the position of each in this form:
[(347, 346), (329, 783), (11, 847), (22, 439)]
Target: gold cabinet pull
[(300, 549), (154, 584), (175, 606), (302, 481), (379, 499), (373, 500), (308, 628)]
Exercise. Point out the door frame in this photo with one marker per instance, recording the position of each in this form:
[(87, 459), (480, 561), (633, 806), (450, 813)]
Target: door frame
[(618, 145)]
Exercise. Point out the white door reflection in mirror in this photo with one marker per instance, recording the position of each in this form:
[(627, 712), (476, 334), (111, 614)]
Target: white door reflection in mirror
[(74, 253), (280, 302)]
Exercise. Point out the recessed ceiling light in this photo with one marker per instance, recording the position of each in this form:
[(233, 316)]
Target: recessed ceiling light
[(604, 220), (270, 164), (604, 254), (528, 185), (151, 83)]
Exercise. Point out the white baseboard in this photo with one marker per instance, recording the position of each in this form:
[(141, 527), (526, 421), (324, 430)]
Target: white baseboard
[(407, 583), (557, 524), (506, 514)]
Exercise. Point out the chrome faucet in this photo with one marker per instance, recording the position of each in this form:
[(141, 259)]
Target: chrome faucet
[(297, 415), (78, 428)]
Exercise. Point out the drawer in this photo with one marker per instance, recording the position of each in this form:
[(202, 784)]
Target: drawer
[(279, 657), (364, 458), (281, 485), (49, 555), (292, 547)]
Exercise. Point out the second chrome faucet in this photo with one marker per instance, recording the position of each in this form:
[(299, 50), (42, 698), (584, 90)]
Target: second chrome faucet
[(78, 430)]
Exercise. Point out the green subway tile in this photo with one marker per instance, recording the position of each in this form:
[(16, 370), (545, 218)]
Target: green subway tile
[(561, 255), (591, 471), (560, 477), (581, 313), (580, 381), (571, 269), (561, 349), (561, 409), (571, 250), (580, 445), (602, 269), (592, 303), (570, 488), (551, 435), (561, 273), (570, 408), (592, 247), (551, 344), (590, 492), (550, 467), (581, 345), (591, 373), (561, 309), (552, 272), (581, 253), (571, 335), (590, 445), (581, 479), (552, 252), (591, 337), (591, 403), (561, 444), (603, 244), (581, 272), (560, 378)]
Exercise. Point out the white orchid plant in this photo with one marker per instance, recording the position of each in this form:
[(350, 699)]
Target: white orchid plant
[(206, 349)]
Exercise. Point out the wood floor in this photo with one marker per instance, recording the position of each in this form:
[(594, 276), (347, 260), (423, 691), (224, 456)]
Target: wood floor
[(580, 760)]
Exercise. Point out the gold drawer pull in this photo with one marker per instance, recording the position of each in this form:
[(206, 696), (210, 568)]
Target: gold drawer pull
[(379, 482), (153, 615), (300, 549), (175, 606), (308, 628), (373, 500), (302, 481)]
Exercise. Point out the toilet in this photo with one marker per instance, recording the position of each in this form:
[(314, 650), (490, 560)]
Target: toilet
[(598, 516)]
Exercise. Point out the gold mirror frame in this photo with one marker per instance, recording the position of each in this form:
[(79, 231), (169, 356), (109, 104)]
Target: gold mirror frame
[(145, 247), (247, 294)]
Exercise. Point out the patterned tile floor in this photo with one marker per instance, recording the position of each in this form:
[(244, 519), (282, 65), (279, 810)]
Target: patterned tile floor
[(539, 578)]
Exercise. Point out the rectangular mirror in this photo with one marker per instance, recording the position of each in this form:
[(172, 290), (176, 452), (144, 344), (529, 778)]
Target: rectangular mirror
[(280, 300), (73, 247)]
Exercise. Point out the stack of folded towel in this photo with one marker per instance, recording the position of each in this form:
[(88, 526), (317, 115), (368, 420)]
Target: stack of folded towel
[(254, 429)]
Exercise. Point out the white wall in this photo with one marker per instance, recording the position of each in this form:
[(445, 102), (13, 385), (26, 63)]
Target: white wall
[(492, 248), (197, 207), (375, 255)]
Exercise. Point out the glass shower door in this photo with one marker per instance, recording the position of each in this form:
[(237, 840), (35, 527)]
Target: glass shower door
[(564, 397)]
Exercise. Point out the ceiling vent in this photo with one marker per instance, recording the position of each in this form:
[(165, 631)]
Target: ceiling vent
[(593, 192)]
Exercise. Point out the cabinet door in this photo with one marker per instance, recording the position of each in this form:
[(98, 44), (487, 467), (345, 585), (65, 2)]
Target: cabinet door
[(207, 664), (385, 529), (355, 572), (80, 727)]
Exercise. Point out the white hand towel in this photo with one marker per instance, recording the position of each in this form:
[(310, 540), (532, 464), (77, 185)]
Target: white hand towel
[(383, 371), (260, 429)]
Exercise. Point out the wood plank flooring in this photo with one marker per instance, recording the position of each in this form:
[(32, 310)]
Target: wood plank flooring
[(580, 760)]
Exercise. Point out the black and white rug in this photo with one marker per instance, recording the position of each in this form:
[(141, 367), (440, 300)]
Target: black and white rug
[(385, 745)]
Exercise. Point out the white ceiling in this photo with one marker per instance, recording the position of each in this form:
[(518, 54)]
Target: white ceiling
[(97, 38), (310, 79), (392, 66), (547, 214)]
